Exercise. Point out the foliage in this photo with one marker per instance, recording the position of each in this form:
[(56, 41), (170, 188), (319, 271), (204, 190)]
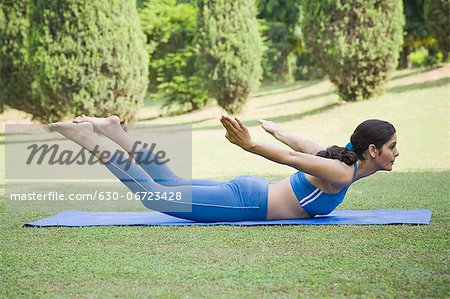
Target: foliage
[(421, 57), (89, 57), (307, 67), (437, 17), (281, 37), (417, 37), (415, 32), (232, 46), (140, 4), (356, 42), (16, 75), (174, 69)]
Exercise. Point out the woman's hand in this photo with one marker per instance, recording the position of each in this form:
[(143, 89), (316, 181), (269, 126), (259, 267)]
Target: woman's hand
[(237, 133), (270, 127)]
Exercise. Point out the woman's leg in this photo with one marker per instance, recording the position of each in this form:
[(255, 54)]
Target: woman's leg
[(161, 173), (243, 198), (240, 199)]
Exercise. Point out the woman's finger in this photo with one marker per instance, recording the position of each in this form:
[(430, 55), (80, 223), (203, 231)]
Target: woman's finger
[(225, 123), (230, 130), (232, 123), (241, 125)]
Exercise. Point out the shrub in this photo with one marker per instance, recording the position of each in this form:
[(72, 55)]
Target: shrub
[(422, 57), (419, 57), (16, 75), (175, 74), (307, 67), (89, 57), (282, 40), (437, 18), (231, 44), (356, 42)]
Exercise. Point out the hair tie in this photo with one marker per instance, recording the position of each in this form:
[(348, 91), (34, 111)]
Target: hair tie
[(350, 147)]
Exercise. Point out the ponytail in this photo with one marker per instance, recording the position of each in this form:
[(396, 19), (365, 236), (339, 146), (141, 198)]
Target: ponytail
[(340, 153), (371, 131)]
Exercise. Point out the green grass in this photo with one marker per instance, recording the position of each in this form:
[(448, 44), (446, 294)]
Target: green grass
[(282, 261)]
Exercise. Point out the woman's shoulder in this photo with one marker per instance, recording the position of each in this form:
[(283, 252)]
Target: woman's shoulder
[(347, 176), (350, 171), (332, 171)]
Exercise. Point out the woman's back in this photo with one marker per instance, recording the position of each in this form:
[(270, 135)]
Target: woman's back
[(303, 196)]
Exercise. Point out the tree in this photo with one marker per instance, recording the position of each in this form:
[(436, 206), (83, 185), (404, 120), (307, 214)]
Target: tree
[(283, 40), (356, 42), (415, 31), (437, 17), (89, 57), (231, 44), (16, 75), (175, 73)]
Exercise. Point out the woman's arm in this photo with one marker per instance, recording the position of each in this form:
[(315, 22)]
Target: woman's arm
[(295, 142), (330, 170)]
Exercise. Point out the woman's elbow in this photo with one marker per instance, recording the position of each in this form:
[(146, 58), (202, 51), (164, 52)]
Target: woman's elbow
[(290, 159)]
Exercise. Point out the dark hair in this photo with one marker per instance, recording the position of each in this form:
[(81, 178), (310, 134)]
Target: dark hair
[(340, 153), (372, 131)]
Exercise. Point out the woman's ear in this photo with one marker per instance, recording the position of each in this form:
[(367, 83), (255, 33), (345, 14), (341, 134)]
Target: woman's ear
[(372, 151)]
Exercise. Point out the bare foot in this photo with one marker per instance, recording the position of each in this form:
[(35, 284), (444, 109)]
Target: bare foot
[(108, 126), (83, 134)]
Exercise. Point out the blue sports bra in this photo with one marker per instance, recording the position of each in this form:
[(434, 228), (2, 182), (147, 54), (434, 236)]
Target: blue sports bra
[(313, 200)]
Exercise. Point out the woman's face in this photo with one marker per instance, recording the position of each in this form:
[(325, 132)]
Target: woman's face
[(388, 153)]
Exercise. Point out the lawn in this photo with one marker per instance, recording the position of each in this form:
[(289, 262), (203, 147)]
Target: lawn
[(281, 261)]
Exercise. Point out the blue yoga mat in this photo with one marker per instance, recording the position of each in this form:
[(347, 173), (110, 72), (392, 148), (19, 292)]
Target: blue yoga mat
[(339, 217)]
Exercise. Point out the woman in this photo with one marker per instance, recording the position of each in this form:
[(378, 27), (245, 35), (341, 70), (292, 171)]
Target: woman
[(317, 188)]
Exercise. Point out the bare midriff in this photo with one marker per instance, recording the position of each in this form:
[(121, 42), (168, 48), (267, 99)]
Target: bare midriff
[(282, 202)]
